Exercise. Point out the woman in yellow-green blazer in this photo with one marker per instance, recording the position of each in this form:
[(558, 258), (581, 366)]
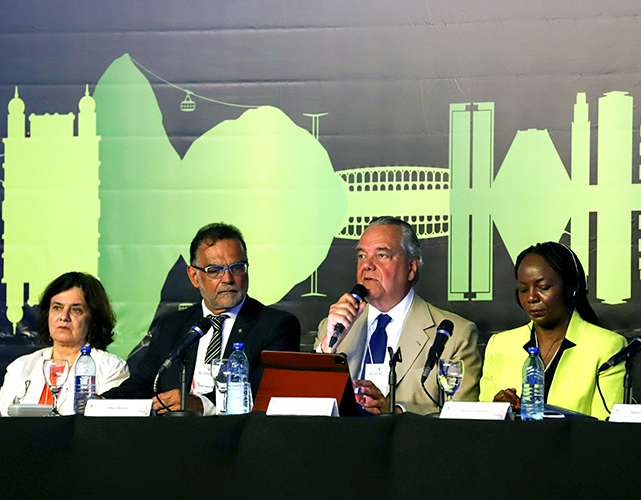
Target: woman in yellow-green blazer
[(551, 288)]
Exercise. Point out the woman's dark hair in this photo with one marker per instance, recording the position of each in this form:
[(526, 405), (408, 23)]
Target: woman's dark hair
[(103, 319), (567, 265)]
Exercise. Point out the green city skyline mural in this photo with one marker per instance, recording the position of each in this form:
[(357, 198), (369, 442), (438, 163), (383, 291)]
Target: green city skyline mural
[(133, 204), (533, 175)]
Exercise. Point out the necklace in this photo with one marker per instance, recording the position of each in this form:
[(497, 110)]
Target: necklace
[(548, 353), (543, 358)]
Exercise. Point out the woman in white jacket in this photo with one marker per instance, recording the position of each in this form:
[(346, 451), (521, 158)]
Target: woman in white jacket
[(74, 311)]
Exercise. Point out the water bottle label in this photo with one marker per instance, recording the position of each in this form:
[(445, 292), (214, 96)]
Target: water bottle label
[(85, 389), (86, 384), (221, 403), (238, 398)]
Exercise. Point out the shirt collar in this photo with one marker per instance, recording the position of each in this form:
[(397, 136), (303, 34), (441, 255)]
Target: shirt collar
[(575, 327), (572, 335), (232, 313), (397, 313)]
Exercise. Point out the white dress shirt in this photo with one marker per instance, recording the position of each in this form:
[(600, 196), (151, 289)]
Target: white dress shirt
[(398, 313), (203, 382)]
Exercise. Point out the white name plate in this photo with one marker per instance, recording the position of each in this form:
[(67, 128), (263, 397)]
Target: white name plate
[(326, 407), (477, 411), (118, 408), (626, 413)]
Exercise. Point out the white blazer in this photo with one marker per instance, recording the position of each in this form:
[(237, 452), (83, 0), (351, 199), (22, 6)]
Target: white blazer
[(24, 380)]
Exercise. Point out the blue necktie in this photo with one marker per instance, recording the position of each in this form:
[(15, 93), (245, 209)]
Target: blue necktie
[(378, 341)]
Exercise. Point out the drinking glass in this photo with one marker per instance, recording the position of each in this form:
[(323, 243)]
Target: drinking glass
[(56, 372), (450, 376), (219, 371)]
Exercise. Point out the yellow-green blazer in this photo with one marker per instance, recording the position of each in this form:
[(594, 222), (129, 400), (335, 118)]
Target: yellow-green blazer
[(574, 384)]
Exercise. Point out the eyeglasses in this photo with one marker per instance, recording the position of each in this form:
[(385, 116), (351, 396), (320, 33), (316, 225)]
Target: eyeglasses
[(213, 271)]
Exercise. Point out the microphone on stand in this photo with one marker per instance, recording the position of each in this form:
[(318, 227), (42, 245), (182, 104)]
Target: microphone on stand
[(629, 351), (443, 333), (393, 359), (359, 292), (179, 351)]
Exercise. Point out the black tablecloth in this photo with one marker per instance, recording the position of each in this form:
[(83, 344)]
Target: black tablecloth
[(399, 456)]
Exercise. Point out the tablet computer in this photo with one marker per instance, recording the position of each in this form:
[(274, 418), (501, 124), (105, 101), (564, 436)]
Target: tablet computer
[(306, 375)]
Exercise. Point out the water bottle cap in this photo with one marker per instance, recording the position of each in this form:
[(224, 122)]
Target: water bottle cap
[(533, 350), (85, 349), (238, 346)]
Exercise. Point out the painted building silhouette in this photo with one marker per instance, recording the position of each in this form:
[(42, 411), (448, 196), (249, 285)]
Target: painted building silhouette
[(51, 206)]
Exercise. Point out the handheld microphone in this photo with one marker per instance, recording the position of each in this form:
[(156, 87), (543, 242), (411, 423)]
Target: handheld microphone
[(629, 351), (359, 292), (192, 336), (443, 333)]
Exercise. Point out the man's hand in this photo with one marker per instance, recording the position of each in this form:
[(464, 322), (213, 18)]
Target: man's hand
[(171, 399), (371, 399), (345, 311)]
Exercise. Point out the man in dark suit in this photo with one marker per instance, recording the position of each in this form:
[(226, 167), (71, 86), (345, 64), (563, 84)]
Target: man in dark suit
[(219, 269)]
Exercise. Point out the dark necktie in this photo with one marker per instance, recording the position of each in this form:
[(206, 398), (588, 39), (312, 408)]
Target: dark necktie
[(213, 349), (377, 342)]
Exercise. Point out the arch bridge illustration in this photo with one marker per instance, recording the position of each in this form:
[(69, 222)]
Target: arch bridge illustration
[(418, 195)]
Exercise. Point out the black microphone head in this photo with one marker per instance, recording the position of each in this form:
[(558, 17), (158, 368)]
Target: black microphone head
[(204, 324), (629, 351), (359, 291), (446, 327)]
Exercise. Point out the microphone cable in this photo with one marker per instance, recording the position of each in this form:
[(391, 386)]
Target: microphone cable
[(430, 396), (598, 386), (157, 393)]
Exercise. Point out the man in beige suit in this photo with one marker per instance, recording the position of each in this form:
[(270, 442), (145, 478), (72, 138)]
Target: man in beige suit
[(389, 256)]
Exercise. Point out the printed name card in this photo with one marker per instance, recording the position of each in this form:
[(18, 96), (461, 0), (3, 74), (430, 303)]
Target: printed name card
[(626, 413), (118, 408), (326, 407), (477, 411)]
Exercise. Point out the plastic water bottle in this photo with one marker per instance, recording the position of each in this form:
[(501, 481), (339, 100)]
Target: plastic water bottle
[(532, 403), (238, 388), (85, 380)]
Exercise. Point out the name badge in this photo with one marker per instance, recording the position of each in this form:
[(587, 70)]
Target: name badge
[(203, 382), (326, 407), (477, 411), (118, 408), (626, 413), (378, 374)]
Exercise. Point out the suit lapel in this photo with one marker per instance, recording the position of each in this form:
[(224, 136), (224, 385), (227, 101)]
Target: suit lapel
[(190, 357), (242, 326), (564, 390), (355, 343), (415, 335), (36, 376)]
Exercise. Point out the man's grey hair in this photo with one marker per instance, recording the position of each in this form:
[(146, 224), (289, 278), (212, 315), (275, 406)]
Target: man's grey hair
[(409, 241)]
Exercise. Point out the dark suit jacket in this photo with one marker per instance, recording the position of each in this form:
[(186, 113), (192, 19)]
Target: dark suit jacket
[(259, 327)]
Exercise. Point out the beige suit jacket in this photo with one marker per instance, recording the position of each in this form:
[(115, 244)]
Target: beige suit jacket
[(417, 336)]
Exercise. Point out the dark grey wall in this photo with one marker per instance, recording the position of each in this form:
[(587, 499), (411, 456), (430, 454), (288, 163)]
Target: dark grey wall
[(385, 72)]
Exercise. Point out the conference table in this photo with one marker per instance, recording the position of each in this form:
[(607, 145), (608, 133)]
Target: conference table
[(282, 457)]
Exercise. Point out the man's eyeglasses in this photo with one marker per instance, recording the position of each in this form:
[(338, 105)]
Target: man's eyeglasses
[(236, 269)]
